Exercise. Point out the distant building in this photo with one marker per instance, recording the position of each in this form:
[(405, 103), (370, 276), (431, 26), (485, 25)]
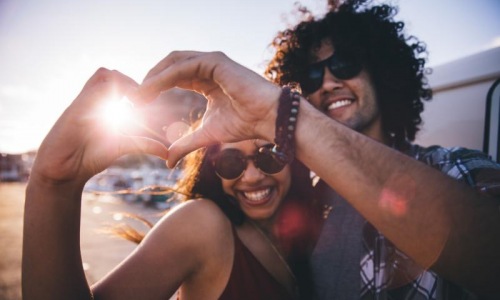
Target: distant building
[(16, 167), (172, 107)]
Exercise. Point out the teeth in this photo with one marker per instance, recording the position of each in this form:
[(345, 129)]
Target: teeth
[(338, 104), (257, 195)]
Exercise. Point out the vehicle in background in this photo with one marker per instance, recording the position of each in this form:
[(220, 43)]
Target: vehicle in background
[(150, 186), (465, 108)]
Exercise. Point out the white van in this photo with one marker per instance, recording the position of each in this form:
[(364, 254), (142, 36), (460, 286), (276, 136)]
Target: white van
[(465, 108)]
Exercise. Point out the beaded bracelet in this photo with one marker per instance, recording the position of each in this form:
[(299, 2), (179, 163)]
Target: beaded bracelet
[(286, 123)]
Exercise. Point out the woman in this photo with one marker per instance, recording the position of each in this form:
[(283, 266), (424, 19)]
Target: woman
[(269, 221), (198, 248)]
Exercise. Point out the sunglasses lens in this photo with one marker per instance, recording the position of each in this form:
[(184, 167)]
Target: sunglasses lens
[(313, 79), (229, 164), (346, 71), (344, 68), (265, 161), (341, 67)]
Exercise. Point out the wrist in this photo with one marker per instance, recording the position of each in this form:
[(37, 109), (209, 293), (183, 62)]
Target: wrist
[(286, 124), (48, 185), (267, 127)]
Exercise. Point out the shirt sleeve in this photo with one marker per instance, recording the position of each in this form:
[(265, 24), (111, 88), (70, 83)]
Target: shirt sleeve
[(488, 182), (473, 167)]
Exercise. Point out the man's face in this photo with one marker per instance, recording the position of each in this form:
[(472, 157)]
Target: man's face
[(352, 102)]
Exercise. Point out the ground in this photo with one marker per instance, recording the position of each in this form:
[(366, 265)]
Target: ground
[(100, 251)]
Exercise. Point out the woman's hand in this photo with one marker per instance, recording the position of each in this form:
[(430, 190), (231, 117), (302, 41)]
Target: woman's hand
[(241, 104), (80, 145)]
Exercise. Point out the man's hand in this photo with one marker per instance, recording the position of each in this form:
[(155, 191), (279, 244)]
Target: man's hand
[(241, 104)]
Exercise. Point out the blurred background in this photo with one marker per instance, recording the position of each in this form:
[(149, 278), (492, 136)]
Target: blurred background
[(49, 48)]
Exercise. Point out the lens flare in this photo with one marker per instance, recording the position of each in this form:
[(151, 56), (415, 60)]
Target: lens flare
[(175, 131), (118, 216), (117, 114)]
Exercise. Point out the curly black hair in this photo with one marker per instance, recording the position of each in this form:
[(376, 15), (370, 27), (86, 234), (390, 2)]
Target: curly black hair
[(395, 61)]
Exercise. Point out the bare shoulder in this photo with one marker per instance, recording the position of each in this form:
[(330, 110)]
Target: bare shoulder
[(212, 248), (183, 249), (204, 208), (199, 219), (198, 211)]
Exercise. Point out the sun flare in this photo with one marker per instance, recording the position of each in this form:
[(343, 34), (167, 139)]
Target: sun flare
[(117, 114)]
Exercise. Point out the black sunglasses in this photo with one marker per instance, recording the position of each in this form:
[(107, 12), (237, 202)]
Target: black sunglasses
[(231, 163), (342, 67)]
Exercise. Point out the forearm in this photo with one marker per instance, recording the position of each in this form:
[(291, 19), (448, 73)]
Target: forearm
[(423, 212), (382, 184), (52, 266)]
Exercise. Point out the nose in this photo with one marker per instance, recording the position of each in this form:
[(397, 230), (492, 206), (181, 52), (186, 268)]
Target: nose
[(251, 173), (330, 82)]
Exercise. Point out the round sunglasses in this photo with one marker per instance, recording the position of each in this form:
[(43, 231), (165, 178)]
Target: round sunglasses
[(231, 163), (342, 67)]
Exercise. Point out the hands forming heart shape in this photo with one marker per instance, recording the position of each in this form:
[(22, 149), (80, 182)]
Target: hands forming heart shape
[(240, 105)]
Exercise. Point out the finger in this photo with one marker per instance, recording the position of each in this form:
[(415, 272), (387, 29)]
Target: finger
[(169, 60), (188, 72), (186, 144), (136, 144), (98, 76), (105, 85)]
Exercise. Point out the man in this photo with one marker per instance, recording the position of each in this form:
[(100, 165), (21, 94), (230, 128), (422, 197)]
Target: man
[(435, 223), (358, 67)]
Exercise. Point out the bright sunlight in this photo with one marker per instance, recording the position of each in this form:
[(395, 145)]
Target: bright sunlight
[(118, 114)]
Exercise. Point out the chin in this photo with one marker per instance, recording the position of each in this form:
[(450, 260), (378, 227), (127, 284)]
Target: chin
[(259, 216)]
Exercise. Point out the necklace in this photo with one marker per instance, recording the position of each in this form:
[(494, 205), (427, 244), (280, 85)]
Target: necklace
[(282, 260)]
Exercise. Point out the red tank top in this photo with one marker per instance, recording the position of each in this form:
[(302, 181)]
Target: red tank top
[(249, 280)]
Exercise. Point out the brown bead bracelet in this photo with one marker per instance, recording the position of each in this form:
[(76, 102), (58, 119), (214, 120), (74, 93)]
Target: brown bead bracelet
[(286, 123)]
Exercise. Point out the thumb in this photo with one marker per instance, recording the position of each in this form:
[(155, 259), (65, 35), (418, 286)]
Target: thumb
[(136, 144), (186, 144)]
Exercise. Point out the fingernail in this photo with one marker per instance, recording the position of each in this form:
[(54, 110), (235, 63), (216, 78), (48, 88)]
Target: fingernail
[(173, 166)]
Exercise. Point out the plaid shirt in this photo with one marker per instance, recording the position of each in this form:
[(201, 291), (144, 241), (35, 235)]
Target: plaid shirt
[(382, 264)]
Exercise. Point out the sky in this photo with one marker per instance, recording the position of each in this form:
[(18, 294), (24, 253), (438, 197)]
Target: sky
[(49, 48)]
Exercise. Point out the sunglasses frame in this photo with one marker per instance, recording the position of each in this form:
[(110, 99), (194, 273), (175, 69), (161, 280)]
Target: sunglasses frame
[(342, 67), (263, 151)]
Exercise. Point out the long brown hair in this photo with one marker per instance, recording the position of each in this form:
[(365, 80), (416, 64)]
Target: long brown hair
[(298, 220)]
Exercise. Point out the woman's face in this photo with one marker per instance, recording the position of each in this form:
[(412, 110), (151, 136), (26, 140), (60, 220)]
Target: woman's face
[(259, 194)]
